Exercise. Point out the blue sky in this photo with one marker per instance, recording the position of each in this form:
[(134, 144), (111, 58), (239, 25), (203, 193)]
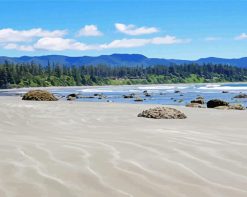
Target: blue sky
[(184, 29)]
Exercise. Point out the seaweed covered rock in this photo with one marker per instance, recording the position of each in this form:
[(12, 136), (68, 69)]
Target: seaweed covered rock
[(162, 113), (216, 102), (39, 95)]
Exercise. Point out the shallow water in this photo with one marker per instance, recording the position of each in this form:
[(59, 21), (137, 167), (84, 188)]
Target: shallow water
[(160, 94)]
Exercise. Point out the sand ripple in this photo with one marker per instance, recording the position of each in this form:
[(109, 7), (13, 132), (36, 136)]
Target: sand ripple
[(64, 149)]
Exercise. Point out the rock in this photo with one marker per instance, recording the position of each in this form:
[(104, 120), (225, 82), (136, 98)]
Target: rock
[(138, 99), (147, 94), (222, 107), (195, 105), (162, 113), (180, 100), (177, 91), (216, 102), (200, 101), (241, 96), (39, 95), (145, 91), (71, 97), (200, 97), (128, 96), (224, 92), (237, 107), (102, 97), (232, 107)]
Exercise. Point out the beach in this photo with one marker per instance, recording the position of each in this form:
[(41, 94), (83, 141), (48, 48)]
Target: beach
[(89, 149)]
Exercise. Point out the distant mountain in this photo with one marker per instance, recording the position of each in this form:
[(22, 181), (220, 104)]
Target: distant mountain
[(119, 60)]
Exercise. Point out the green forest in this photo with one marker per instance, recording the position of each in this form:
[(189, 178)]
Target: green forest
[(34, 75)]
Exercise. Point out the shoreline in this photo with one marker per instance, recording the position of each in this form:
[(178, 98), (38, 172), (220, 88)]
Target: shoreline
[(134, 85)]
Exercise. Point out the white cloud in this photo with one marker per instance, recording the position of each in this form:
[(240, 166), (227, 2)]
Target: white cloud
[(89, 30), (242, 36), (130, 43), (12, 46), (60, 44), (11, 35), (133, 30)]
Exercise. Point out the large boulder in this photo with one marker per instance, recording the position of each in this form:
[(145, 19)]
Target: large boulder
[(216, 102), (241, 96), (162, 113), (39, 95)]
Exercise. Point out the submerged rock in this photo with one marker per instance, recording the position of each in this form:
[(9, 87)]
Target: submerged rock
[(241, 96), (39, 95), (216, 102), (138, 99), (128, 96), (162, 113)]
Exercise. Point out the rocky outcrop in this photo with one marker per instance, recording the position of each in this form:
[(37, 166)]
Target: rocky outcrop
[(162, 113), (241, 96), (216, 102), (39, 95)]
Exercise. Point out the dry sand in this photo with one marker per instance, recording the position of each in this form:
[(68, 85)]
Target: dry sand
[(67, 149)]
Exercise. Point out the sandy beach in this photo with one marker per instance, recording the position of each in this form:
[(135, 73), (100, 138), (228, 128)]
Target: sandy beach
[(79, 149)]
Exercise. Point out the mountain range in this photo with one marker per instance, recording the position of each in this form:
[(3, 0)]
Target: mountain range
[(119, 60)]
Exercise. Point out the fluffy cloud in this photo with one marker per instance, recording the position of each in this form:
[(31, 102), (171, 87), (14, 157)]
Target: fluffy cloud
[(11, 35), (133, 30), (242, 36), (60, 44), (130, 43), (89, 30), (18, 47)]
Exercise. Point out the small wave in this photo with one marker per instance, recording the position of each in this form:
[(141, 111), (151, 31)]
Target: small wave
[(156, 87), (222, 88), (94, 90)]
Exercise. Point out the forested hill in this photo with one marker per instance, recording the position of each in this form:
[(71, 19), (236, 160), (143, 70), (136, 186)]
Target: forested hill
[(119, 60), (35, 75)]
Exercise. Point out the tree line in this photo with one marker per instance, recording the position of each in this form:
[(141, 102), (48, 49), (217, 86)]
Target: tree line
[(35, 75)]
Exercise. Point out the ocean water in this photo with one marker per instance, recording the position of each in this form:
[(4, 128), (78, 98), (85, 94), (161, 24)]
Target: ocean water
[(160, 94)]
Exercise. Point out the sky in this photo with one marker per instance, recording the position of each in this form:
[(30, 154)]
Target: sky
[(180, 29)]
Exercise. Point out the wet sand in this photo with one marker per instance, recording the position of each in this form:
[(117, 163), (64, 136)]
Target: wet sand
[(67, 149)]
